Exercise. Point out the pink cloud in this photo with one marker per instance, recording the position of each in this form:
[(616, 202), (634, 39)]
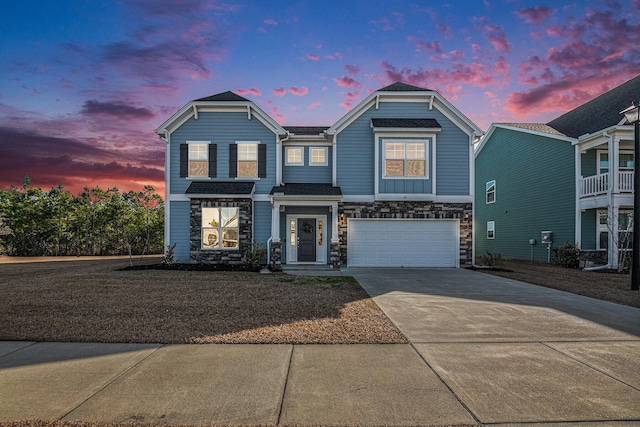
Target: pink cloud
[(532, 15), (313, 57), (347, 103), (426, 45), (352, 69), (345, 81), (252, 91), (299, 91), (313, 105), (270, 21), (338, 55), (279, 91)]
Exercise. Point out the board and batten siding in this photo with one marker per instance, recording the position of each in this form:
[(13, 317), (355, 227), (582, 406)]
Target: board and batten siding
[(222, 128), (307, 173), (535, 192), (355, 165), (179, 230)]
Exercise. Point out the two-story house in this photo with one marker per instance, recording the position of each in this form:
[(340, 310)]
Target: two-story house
[(389, 184), (572, 177)]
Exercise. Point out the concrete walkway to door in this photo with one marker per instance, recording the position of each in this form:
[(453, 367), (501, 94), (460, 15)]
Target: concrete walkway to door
[(512, 352)]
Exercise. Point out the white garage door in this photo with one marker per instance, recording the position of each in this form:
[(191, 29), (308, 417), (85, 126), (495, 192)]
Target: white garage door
[(402, 243)]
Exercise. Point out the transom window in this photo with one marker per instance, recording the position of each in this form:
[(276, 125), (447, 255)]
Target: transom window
[(491, 229), (198, 160), (219, 228), (405, 159), (318, 156), (625, 161), (248, 160), (294, 156), (491, 191)]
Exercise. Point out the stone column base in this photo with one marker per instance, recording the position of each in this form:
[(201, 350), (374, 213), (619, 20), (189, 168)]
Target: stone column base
[(275, 259)]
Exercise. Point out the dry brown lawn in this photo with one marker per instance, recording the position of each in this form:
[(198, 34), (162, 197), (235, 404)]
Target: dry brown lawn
[(604, 285), (96, 301)]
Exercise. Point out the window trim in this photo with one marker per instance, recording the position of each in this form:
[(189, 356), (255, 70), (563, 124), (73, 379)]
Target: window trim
[(257, 160), (220, 229), (604, 228), (286, 156), (600, 152), (491, 227), (206, 144), (424, 141), (487, 192), (326, 156)]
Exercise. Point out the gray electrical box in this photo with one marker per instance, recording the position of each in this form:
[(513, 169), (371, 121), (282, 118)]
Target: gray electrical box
[(546, 237)]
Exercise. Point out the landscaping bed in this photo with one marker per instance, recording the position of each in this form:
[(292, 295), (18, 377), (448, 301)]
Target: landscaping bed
[(607, 285), (99, 301)]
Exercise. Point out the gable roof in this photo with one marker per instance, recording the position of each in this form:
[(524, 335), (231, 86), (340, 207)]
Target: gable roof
[(536, 127), (224, 96), (402, 87), (599, 113)]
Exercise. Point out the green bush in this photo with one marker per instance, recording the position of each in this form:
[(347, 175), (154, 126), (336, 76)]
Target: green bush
[(168, 258), (567, 255), (257, 256), (491, 259)]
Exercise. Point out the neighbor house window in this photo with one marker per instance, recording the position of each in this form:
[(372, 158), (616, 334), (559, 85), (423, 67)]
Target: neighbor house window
[(318, 156), (625, 161), (491, 229), (198, 160), (405, 159), (625, 229), (220, 228), (294, 156), (248, 160), (491, 191)]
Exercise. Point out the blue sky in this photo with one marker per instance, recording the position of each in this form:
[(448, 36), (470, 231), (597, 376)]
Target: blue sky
[(85, 83)]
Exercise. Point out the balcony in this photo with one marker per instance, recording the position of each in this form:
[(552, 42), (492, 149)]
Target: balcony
[(599, 184)]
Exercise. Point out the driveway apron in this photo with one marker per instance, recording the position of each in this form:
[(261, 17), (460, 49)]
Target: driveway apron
[(512, 352)]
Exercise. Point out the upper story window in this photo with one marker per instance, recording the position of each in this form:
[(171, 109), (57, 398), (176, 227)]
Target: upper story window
[(625, 161), (220, 228), (491, 191), (405, 159), (248, 160), (294, 156), (318, 156), (198, 160)]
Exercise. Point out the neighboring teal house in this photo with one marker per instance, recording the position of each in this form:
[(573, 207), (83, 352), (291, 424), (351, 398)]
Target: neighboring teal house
[(389, 184), (572, 177)]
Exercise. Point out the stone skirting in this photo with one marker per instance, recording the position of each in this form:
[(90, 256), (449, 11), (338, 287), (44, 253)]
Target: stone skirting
[(595, 257), (275, 256), (414, 210), (221, 256)]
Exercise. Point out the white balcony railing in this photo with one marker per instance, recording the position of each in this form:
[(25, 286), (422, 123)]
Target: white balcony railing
[(599, 184)]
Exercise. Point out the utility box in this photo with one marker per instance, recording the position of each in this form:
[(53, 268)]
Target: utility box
[(546, 237)]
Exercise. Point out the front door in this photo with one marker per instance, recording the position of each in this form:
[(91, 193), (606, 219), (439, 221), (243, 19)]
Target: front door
[(306, 240)]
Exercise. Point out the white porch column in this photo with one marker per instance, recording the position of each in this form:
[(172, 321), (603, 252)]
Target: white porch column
[(275, 222), (613, 146), (578, 212), (612, 219), (335, 238)]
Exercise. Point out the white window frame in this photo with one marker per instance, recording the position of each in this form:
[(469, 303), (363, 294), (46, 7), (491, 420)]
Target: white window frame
[(620, 167), (326, 156), (220, 229), (205, 159), (604, 228), (287, 162), (491, 230), (488, 191), (424, 142), (242, 144)]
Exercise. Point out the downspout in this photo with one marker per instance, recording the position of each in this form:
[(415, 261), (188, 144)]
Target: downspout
[(279, 159)]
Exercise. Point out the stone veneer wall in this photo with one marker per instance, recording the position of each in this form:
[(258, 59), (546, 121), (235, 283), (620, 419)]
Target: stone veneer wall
[(221, 256), (416, 210)]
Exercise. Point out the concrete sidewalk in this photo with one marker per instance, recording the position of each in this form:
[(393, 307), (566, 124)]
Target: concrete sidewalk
[(483, 350)]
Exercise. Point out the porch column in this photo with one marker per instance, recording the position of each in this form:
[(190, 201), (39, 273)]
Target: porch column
[(613, 242), (578, 213), (335, 238), (613, 146), (275, 222)]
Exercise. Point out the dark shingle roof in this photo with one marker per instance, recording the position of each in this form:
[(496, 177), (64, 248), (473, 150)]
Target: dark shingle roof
[(229, 188), (307, 189), (537, 127), (599, 113), (306, 130), (224, 96), (405, 123), (401, 87)]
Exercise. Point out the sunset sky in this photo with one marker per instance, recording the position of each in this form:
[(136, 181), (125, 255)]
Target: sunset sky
[(83, 84)]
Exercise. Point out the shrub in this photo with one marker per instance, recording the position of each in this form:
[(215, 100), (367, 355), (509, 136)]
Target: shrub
[(491, 259), (169, 255), (257, 256), (567, 255)]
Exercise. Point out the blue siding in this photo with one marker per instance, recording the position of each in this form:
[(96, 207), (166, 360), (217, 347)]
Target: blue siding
[(589, 163), (307, 173), (535, 192), (222, 128), (356, 150), (261, 222), (179, 231), (589, 227)]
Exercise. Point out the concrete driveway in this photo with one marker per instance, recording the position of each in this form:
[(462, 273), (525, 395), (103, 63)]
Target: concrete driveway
[(514, 352)]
